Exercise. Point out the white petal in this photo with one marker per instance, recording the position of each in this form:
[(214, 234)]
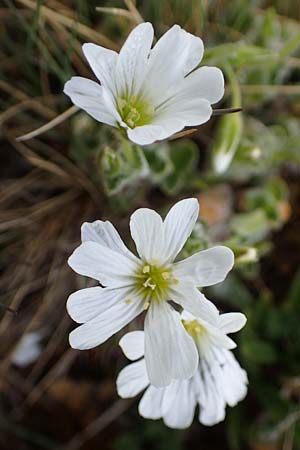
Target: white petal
[(168, 125), (132, 345), (195, 53), (192, 110), (104, 233), (168, 62), (132, 379), (150, 406), (131, 63), (102, 62), (178, 225), (88, 95), (222, 381), (110, 102), (207, 267), (234, 379), (161, 127), (206, 83), (102, 327), (146, 227), (213, 411), (189, 297), (101, 263), (85, 304), (211, 399), (181, 404), (221, 340), (170, 352), (173, 57), (146, 134), (232, 322)]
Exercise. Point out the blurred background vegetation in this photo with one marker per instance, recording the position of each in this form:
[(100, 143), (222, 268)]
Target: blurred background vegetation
[(244, 168)]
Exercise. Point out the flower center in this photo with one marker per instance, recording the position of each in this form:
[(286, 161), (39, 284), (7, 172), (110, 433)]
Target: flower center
[(194, 328), (154, 283), (135, 112)]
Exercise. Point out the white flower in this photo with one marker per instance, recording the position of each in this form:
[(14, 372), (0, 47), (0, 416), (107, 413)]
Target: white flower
[(28, 349), (219, 380), (133, 285), (151, 93)]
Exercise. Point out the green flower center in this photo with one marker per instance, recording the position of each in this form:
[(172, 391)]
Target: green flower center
[(154, 283), (194, 328), (135, 112)]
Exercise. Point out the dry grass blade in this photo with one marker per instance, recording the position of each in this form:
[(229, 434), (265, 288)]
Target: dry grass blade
[(60, 368), (134, 11), (222, 111), (72, 24), (48, 126), (11, 188), (109, 416), (12, 90), (115, 11), (183, 134), (25, 101), (60, 165), (26, 104)]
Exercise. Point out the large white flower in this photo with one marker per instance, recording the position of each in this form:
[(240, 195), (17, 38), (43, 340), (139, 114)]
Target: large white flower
[(151, 93), (133, 285), (219, 380)]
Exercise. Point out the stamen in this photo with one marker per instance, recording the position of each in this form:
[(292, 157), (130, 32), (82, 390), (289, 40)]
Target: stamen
[(148, 283), (146, 305), (135, 111), (121, 102), (128, 301), (193, 327), (146, 269), (154, 281)]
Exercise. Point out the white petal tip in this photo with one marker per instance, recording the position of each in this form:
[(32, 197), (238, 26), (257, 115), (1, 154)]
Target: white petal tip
[(66, 87), (243, 320), (71, 261), (228, 254), (76, 342), (72, 342), (87, 45)]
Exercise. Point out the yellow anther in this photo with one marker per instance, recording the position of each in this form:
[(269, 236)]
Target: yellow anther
[(146, 269), (128, 301), (146, 305), (165, 275)]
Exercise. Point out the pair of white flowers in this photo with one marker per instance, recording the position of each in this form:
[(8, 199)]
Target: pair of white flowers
[(187, 358)]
